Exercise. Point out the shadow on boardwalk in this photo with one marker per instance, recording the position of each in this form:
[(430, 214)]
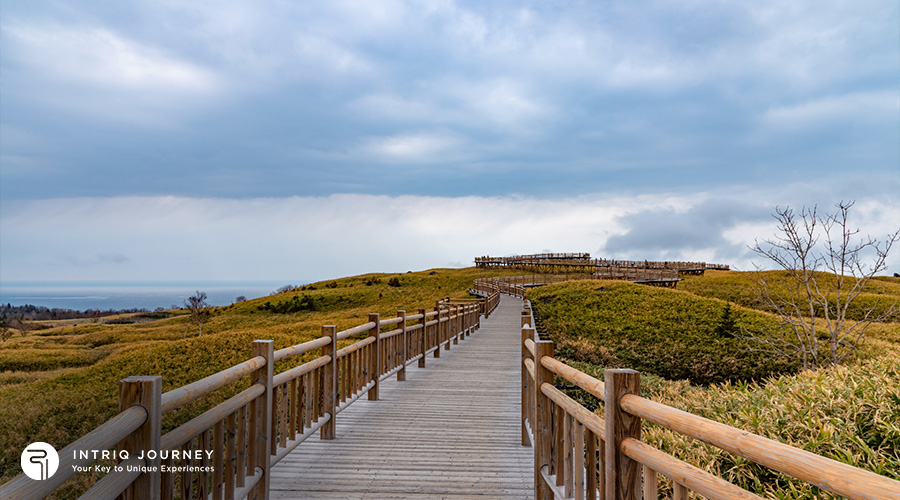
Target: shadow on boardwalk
[(451, 430)]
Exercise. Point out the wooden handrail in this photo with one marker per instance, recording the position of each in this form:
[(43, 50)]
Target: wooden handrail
[(297, 371), (851, 482), (355, 330), (296, 350), (574, 408), (103, 437), (704, 483), (177, 398), (391, 321), (595, 387), (355, 346)]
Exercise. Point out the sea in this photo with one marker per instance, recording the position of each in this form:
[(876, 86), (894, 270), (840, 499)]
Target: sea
[(118, 295)]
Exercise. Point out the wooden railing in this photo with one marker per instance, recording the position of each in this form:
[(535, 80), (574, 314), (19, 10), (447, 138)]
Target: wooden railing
[(227, 451), (656, 277), (584, 260), (579, 455), (517, 285)]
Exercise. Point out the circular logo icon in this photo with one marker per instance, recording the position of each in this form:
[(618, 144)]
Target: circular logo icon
[(40, 461)]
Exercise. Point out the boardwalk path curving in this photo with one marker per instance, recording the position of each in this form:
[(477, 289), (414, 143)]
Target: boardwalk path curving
[(450, 431)]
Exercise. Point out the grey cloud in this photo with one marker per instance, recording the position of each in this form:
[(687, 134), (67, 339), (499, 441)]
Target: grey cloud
[(281, 99), (669, 234)]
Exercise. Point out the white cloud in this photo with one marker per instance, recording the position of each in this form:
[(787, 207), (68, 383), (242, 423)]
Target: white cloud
[(97, 56), (96, 73), (421, 147)]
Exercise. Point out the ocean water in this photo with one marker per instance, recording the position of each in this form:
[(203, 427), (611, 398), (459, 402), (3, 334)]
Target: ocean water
[(104, 295)]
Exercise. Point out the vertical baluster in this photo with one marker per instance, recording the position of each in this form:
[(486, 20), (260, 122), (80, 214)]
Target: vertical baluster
[(423, 341), (241, 431), (167, 486), (316, 383), (302, 394), (591, 469), (285, 415), (229, 464), (203, 475), (292, 389), (578, 461), (187, 477), (681, 492), (650, 488), (218, 443), (561, 451), (274, 426)]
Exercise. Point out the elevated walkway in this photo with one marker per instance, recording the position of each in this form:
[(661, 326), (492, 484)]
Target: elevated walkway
[(451, 431)]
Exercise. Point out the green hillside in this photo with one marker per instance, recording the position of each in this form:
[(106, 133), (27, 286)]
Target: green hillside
[(880, 294), (669, 333)]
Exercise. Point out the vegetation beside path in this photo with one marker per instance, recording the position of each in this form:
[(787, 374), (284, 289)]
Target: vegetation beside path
[(679, 341)]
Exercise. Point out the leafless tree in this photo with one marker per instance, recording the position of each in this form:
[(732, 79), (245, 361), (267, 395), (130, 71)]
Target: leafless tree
[(825, 268), (24, 327), (199, 310), (5, 328)]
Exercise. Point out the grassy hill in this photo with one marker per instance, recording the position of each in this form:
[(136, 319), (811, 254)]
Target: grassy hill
[(669, 333), (850, 413), (740, 288), (58, 384)]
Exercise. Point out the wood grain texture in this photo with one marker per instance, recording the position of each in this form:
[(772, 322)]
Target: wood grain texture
[(450, 431)]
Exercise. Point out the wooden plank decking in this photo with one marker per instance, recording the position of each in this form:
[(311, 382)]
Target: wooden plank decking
[(450, 431)]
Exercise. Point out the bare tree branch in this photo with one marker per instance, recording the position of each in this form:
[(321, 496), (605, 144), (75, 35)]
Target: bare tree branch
[(819, 281)]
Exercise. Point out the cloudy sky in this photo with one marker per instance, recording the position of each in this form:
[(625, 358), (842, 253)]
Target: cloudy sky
[(300, 141)]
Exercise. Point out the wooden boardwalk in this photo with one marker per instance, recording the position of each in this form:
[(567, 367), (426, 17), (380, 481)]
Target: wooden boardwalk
[(450, 431)]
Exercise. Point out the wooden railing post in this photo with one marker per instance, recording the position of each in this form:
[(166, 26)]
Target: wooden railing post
[(423, 338), (438, 331), (261, 409), (375, 359), (401, 375), (329, 382), (456, 329), (145, 392), (623, 475), (542, 415)]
